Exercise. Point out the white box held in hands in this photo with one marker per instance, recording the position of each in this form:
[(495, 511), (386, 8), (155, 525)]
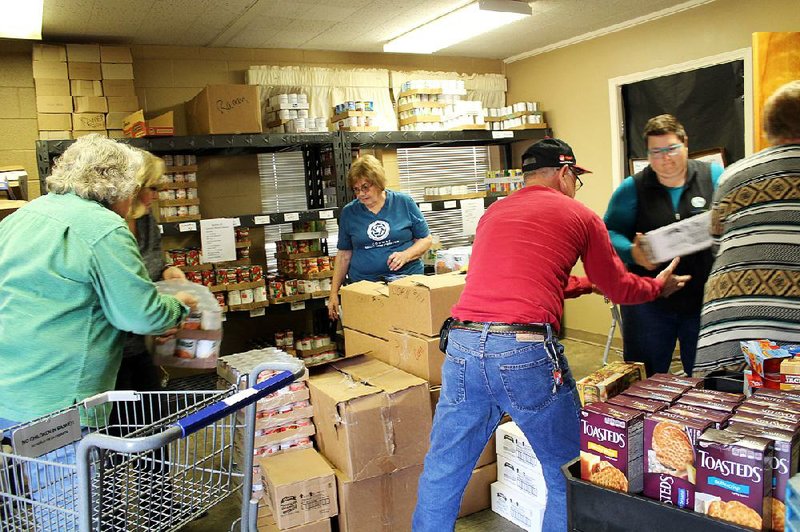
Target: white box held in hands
[(678, 239)]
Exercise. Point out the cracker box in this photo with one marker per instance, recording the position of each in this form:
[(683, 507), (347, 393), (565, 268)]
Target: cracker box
[(769, 411), (655, 395), (608, 381), (708, 402), (669, 473), (777, 403), (764, 421), (784, 464), (611, 446), (655, 384), (717, 418), (790, 373), (637, 403), (792, 396), (669, 378), (734, 478), (714, 394)]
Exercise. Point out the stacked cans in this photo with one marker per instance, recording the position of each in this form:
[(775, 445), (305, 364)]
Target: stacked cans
[(354, 105), (306, 267), (296, 247), (178, 173), (504, 181), (284, 339), (183, 257)]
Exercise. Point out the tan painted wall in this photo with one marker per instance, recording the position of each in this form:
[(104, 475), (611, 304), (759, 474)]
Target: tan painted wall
[(572, 85), (167, 76)]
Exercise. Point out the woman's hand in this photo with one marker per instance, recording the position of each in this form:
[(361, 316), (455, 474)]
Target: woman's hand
[(173, 273), (187, 299), (397, 260), (333, 306)]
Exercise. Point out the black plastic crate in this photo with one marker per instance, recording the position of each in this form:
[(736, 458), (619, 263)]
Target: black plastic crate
[(593, 508)]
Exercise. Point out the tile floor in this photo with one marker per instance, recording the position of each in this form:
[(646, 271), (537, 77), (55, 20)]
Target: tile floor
[(583, 358)]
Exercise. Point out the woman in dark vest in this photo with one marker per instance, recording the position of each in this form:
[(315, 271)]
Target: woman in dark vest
[(671, 188)]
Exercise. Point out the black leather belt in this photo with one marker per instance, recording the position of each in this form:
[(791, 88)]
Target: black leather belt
[(500, 327)]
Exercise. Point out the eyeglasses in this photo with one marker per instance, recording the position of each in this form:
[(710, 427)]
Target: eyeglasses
[(363, 188), (578, 182), (658, 153)]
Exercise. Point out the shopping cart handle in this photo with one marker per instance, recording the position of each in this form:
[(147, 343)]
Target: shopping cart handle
[(204, 417)]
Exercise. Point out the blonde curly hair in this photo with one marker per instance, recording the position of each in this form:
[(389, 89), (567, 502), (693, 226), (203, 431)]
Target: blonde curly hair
[(149, 175), (97, 168)]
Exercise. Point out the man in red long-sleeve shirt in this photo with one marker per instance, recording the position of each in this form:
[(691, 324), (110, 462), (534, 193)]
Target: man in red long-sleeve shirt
[(502, 353)]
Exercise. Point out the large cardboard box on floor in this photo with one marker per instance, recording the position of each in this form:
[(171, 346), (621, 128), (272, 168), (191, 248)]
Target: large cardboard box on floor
[(225, 109), (421, 303), (516, 507), (365, 308), (417, 354), (53, 104), (358, 343), (477, 496), (378, 504), (52, 87), (371, 418), (299, 487), (265, 522)]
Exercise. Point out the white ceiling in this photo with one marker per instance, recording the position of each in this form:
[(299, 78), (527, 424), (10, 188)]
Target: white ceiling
[(342, 25)]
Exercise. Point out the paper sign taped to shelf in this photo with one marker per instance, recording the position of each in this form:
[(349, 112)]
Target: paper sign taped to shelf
[(326, 215), (261, 220), (502, 134), (425, 207), (36, 439), (237, 222), (291, 217), (678, 239), (450, 204), (471, 212), (161, 229), (217, 240), (256, 312), (297, 305), (185, 227)]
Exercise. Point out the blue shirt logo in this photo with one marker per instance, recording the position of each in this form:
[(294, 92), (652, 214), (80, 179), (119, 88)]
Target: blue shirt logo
[(378, 230)]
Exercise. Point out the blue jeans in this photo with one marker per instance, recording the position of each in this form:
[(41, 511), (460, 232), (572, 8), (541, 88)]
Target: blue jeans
[(52, 486), (649, 333), (484, 375)]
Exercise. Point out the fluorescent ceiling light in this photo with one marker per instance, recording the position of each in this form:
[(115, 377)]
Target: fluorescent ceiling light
[(459, 25), (21, 19)]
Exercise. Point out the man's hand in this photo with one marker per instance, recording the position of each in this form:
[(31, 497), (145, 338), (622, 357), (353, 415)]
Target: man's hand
[(672, 282), (187, 299), (166, 336), (173, 273), (333, 306), (638, 254), (397, 260)]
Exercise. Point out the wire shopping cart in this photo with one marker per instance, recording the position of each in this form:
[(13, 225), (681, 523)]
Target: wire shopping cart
[(149, 461)]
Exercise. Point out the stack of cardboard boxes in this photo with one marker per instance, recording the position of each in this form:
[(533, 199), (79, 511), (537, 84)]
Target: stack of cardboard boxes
[(82, 89), (520, 493), (399, 324)]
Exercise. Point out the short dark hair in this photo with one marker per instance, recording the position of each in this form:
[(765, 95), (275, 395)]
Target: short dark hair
[(664, 125), (782, 114)]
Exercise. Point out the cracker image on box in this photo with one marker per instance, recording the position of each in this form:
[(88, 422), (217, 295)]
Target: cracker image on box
[(669, 473), (611, 446), (734, 478)]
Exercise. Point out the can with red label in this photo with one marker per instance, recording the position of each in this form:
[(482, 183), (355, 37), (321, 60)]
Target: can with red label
[(242, 233), (310, 266), (193, 257), (291, 247), (194, 277), (208, 277), (280, 339), (303, 246), (231, 275), (243, 253), (256, 273), (324, 264), (234, 298), (290, 287), (221, 276), (259, 294), (246, 296), (178, 257), (243, 274), (185, 348), (276, 289), (220, 298)]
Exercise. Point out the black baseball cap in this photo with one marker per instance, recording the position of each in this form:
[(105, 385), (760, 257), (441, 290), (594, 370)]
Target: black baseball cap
[(550, 153)]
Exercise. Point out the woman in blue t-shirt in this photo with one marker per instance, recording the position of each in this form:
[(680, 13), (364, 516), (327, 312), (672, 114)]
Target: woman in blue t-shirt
[(381, 232)]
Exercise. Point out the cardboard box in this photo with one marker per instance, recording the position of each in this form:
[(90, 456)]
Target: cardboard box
[(516, 507), (417, 354), (267, 524), (358, 343), (608, 381), (118, 87), (49, 52), (116, 134), (53, 104), (84, 53), (115, 54), (489, 453), (522, 477), (88, 121), (379, 504), (299, 487), (117, 70), (478, 496), (134, 125), (52, 87), (90, 104), (365, 308), (78, 133), (734, 478), (372, 419), (90, 71), (55, 135), (50, 70), (117, 121), (54, 122), (117, 104), (512, 443), (421, 303), (221, 109), (612, 446), (86, 87)]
